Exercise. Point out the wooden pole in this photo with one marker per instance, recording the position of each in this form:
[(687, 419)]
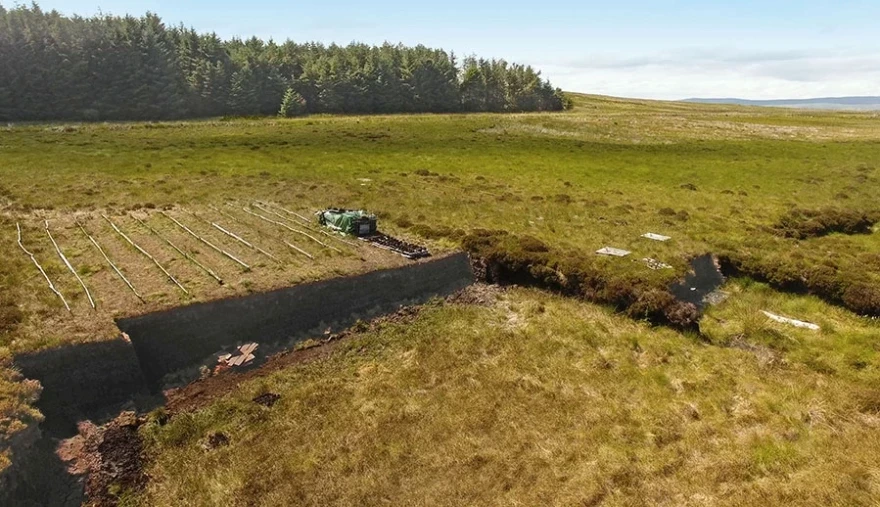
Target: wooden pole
[(316, 240), (203, 240), (262, 233), (261, 217), (112, 265), (37, 264), (300, 250), (243, 241), (181, 252), (235, 236), (304, 219), (145, 253), (70, 267), (316, 229), (225, 214)]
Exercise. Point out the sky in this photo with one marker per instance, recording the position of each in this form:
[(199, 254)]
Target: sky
[(662, 49)]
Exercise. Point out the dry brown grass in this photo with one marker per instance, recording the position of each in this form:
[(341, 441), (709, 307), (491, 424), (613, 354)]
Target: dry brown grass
[(606, 119), (16, 409), (533, 400)]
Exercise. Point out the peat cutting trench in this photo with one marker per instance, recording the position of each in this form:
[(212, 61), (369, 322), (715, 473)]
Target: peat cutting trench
[(95, 381)]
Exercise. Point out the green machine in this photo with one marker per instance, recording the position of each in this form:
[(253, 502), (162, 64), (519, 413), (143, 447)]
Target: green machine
[(355, 222)]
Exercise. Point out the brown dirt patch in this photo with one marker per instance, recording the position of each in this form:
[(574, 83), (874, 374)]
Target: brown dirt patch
[(267, 399), (111, 457), (206, 390), (479, 294)]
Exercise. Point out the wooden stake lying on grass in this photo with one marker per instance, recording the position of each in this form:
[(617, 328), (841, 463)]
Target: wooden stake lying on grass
[(146, 254), (225, 214), (235, 236), (243, 241), (312, 228), (282, 217), (181, 252), (106, 258), (304, 219), (261, 217), (316, 240), (37, 264), (238, 220), (70, 267), (203, 240), (298, 249)]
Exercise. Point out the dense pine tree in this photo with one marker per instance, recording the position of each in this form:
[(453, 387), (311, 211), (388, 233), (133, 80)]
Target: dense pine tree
[(135, 68), (292, 104)]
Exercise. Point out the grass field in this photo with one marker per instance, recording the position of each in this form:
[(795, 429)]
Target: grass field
[(530, 399), (540, 400)]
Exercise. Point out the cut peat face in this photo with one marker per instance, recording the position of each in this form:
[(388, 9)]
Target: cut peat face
[(173, 340)]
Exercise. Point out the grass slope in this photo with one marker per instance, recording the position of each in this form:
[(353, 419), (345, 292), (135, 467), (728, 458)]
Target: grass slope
[(541, 400)]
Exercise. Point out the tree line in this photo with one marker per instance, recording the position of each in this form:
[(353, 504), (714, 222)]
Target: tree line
[(56, 67)]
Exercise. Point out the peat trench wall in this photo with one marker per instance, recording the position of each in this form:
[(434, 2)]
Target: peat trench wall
[(91, 381)]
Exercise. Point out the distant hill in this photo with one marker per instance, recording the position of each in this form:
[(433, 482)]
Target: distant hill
[(840, 103)]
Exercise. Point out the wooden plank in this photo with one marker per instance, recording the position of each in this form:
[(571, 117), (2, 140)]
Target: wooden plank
[(656, 237), (37, 264), (792, 322), (70, 267), (615, 252), (248, 348)]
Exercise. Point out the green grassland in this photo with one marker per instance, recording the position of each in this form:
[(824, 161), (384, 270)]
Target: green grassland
[(534, 398)]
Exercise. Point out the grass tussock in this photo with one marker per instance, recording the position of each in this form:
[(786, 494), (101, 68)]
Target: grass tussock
[(525, 260), (834, 281), (10, 315), (811, 223), (16, 408), (844, 347)]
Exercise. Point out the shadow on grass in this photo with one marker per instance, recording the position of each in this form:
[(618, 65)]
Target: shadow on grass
[(90, 381)]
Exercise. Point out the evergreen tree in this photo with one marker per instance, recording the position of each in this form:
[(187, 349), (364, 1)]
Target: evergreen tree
[(292, 105), (243, 92), (54, 67)]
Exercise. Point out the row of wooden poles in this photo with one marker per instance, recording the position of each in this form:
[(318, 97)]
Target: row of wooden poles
[(227, 231)]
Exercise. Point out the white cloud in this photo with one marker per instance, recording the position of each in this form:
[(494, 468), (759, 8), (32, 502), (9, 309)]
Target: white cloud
[(703, 72)]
